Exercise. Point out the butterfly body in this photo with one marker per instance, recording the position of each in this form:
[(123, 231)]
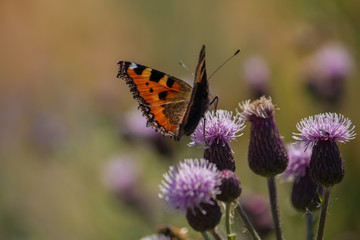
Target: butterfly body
[(170, 105)]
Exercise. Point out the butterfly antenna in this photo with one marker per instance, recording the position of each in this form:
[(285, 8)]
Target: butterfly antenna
[(184, 66), (224, 63)]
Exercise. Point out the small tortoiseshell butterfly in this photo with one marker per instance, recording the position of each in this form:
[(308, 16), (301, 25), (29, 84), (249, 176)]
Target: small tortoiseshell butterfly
[(170, 105)]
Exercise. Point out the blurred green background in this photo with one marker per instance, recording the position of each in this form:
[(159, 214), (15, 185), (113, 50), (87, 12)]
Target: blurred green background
[(64, 114)]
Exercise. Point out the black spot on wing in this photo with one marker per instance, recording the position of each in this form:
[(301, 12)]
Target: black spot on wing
[(170, 82), (162, 95), (151, 90), (139, 69), (156, 75)]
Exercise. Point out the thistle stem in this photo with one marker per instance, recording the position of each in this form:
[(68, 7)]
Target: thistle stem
[(216, 235), (247, 222), (309, 226), (324, 207), (275, 207), (205, 235), (227, 220)]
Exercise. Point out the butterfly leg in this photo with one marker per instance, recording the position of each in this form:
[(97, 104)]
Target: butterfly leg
[(215, 101), (204, 130)]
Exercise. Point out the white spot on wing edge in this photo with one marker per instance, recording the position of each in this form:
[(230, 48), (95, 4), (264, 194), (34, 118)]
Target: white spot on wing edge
[(133, 65)]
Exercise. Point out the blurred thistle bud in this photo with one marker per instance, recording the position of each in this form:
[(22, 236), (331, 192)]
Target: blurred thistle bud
[(220, 128), (230, 186), (257, 74), (258, 211), (305, 193), (267, 154), (322, 132)]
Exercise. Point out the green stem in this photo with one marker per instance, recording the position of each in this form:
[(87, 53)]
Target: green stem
[(309, 226), (227, 220), (275, 207), (324, 207), (229, 234), (247, 222), (205, 235)]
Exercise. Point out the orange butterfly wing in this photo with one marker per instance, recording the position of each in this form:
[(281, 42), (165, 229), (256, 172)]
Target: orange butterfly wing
[(163, 99)]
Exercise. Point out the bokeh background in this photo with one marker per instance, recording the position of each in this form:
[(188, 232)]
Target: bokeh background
[(75, 159)]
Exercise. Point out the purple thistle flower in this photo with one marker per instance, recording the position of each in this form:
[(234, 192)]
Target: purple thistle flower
[(299, 158), (322, 132), (220, 127), (192, 183), (324, 127)]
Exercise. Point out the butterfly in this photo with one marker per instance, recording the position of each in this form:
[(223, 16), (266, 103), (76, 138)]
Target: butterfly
[(170, 105)]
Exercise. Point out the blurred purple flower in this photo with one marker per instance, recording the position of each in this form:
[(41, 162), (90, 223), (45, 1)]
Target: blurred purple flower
[(48, 132), (121, 175), (257, 75), (135, 125), (326, 71), (299, 158), (305, 193), (190, 184), (333, 61)]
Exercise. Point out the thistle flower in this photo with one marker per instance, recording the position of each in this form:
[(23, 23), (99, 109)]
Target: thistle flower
[(305, 193), (191, 183), (299, 158), (322, 132), (267, 154), (220, 128), (190, 188)]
